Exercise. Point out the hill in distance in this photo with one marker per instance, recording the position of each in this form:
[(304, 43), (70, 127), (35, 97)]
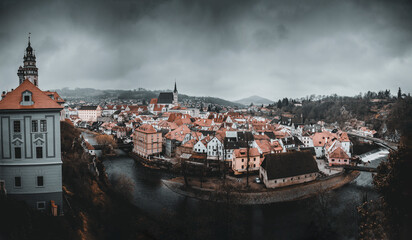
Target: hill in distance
[(140, 93), (256, 100)]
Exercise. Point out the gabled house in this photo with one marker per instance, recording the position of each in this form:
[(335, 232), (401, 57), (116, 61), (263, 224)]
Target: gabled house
[(201, 145), (337, 156), (284, 169), (215, 148), (240, 157), (174, 139)]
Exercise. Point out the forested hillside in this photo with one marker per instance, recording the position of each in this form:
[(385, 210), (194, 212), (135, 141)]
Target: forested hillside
[(140, 94)]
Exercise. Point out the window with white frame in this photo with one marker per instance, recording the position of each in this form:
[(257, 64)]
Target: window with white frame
[(27, 99)]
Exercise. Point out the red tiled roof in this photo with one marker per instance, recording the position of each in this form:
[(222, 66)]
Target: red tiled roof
[(190, 143), (146, 128), (153, 101), (242, 152), (40, 100), (179, 133), (158, 108), (339, 153), (264, 145), (56, 96)]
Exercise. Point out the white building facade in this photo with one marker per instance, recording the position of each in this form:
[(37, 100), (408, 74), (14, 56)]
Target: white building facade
[(30, 151)]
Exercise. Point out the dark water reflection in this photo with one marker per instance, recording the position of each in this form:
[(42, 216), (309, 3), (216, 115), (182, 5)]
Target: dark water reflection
[(186, 218)]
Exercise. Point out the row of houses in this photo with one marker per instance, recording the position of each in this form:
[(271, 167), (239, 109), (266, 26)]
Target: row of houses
[(221, 142)]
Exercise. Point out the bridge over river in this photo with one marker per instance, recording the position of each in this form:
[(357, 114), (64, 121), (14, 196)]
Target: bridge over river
[(123, 146)]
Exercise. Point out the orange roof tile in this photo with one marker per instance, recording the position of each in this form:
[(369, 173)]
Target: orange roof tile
[(153, 101), (242, 152), (179, 133), (146, 128), (40, 100), (339, 153), (190, 143), (56, 96), (264, 145)]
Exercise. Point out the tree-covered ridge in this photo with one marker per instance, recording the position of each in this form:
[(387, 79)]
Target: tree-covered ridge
[(390, 217), (137, 94)]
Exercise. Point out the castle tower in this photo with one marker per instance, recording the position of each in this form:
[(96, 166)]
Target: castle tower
[(175, 96), (29, 69)]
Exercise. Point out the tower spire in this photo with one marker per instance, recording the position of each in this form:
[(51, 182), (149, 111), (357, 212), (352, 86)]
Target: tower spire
[(29, 69), (175, 87)]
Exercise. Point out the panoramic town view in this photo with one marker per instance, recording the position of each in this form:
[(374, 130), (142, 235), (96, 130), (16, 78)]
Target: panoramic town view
[(205, 119)]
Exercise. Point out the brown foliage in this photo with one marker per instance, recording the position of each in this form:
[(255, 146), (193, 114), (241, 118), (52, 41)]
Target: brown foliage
[(107, 142)]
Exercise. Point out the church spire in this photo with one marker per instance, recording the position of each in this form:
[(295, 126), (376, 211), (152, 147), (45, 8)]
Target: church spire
[(175, 96)]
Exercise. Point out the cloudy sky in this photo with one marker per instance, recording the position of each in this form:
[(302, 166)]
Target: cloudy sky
[(229, 49)]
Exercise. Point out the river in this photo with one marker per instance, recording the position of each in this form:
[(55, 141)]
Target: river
[(187, 218)]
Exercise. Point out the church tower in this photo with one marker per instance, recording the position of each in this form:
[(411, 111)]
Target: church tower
[(29, 69), (175, 96)]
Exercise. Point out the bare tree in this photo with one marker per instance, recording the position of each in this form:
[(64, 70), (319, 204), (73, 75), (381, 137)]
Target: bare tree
[(224, 160), (107, 143), (248, 160), (184, 172)]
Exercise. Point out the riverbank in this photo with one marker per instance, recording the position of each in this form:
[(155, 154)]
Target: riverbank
[(228, 194), (168, 165)]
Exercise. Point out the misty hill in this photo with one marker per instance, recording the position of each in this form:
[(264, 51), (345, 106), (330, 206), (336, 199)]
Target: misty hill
[(138, 94), (255, 100)]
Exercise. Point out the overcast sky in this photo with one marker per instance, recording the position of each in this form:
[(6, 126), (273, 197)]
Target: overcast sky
[(228, 49)]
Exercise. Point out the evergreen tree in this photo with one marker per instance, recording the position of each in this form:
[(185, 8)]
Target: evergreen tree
[(279, 104), (399, 93), (285, 102)]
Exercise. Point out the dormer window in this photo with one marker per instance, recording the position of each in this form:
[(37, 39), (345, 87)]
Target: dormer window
[(27, 99)]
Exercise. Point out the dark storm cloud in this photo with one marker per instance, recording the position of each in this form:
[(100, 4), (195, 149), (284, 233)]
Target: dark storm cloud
[(229, 49)]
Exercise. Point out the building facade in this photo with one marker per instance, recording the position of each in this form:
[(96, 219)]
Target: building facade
[(89, 113), (239, 161), (147, 141), (30, 151)]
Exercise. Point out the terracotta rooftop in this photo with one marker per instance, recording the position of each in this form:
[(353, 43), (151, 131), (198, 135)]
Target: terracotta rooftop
[(339, 153), (55, 96), (40, 100), (146, 128), (242, 152)]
